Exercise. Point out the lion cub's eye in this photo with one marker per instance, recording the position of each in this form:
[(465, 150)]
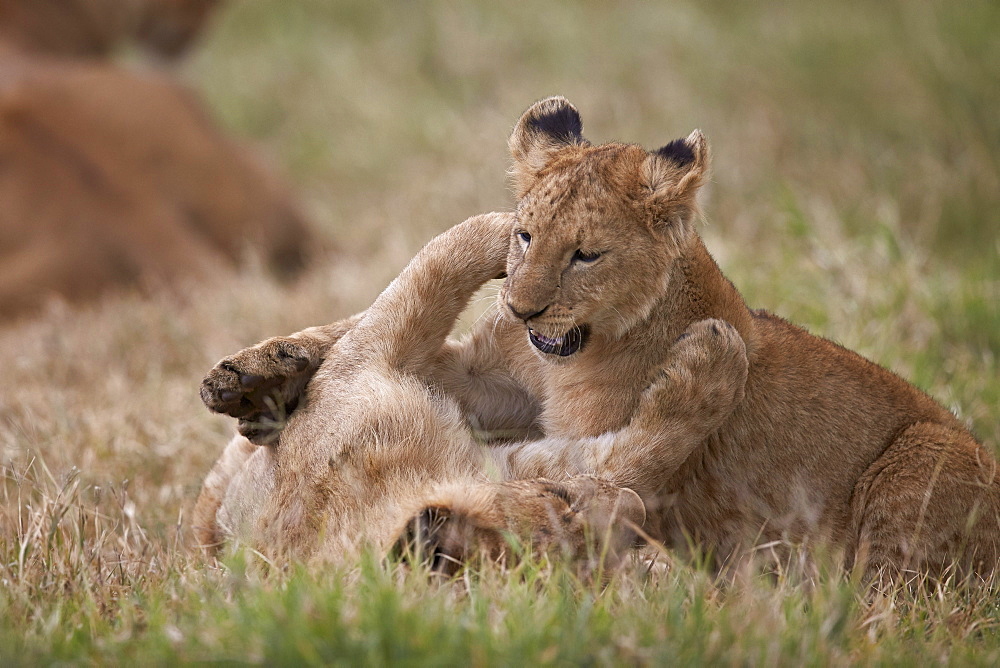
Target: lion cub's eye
[(524, 236), (580, 256)]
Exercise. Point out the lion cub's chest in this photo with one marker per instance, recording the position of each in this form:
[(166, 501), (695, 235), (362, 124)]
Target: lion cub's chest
[(601, 399)]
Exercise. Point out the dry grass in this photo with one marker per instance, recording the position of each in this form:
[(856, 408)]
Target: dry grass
[(856, 191)]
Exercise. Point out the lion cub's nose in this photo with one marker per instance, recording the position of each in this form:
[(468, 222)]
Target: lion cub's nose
[(524, 315)]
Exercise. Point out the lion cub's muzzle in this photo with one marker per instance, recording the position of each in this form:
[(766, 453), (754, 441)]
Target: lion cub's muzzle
[(552, 342), (568, 344)]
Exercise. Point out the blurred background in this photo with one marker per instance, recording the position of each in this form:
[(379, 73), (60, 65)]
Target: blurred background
[(856, 188), (885, 112), (856, 144)]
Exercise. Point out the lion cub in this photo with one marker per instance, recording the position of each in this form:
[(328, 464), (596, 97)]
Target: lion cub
[(377, 454), (605, 271)]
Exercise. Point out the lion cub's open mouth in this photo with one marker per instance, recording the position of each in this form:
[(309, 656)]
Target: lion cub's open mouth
[(568, 344)]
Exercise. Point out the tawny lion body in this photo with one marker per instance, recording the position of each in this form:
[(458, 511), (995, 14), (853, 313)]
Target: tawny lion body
[(605, 273), (115, 177), (378, 449)]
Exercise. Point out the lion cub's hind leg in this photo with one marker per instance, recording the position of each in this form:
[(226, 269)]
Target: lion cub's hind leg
[(208, 534), (587, 520), (261, 385), (930, 503)]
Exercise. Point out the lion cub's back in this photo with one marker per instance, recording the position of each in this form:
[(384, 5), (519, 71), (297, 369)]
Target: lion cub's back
[(816, 415)]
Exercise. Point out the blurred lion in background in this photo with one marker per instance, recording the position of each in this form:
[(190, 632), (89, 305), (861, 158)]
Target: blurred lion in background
[(94, 28), (113, 177)]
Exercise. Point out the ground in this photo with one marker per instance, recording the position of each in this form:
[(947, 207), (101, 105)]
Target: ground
[(856, 191)]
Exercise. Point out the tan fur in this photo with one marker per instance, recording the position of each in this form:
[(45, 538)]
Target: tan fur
[(760, 433), (89, 28), (118, 178), (377, 448)]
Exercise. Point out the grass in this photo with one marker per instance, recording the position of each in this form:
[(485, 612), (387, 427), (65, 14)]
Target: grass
[(856, 191)]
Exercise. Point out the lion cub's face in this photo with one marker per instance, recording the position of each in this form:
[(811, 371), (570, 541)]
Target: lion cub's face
[(598, 228)]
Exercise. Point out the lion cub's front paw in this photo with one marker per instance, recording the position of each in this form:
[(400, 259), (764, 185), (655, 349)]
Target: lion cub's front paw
[(260, 385), (705, 375), (712, 352)]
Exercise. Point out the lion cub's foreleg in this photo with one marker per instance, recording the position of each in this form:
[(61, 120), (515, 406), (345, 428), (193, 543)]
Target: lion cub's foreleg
[(700, 385)]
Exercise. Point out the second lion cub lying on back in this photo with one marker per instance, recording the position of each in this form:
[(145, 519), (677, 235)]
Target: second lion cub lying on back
[(377, 455), (605, 271)]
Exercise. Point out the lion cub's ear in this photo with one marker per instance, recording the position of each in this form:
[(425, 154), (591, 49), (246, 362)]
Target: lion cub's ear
[(674, 174), (546, 127)]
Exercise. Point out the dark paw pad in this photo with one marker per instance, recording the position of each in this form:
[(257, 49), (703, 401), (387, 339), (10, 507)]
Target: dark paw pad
[(435, 539)]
